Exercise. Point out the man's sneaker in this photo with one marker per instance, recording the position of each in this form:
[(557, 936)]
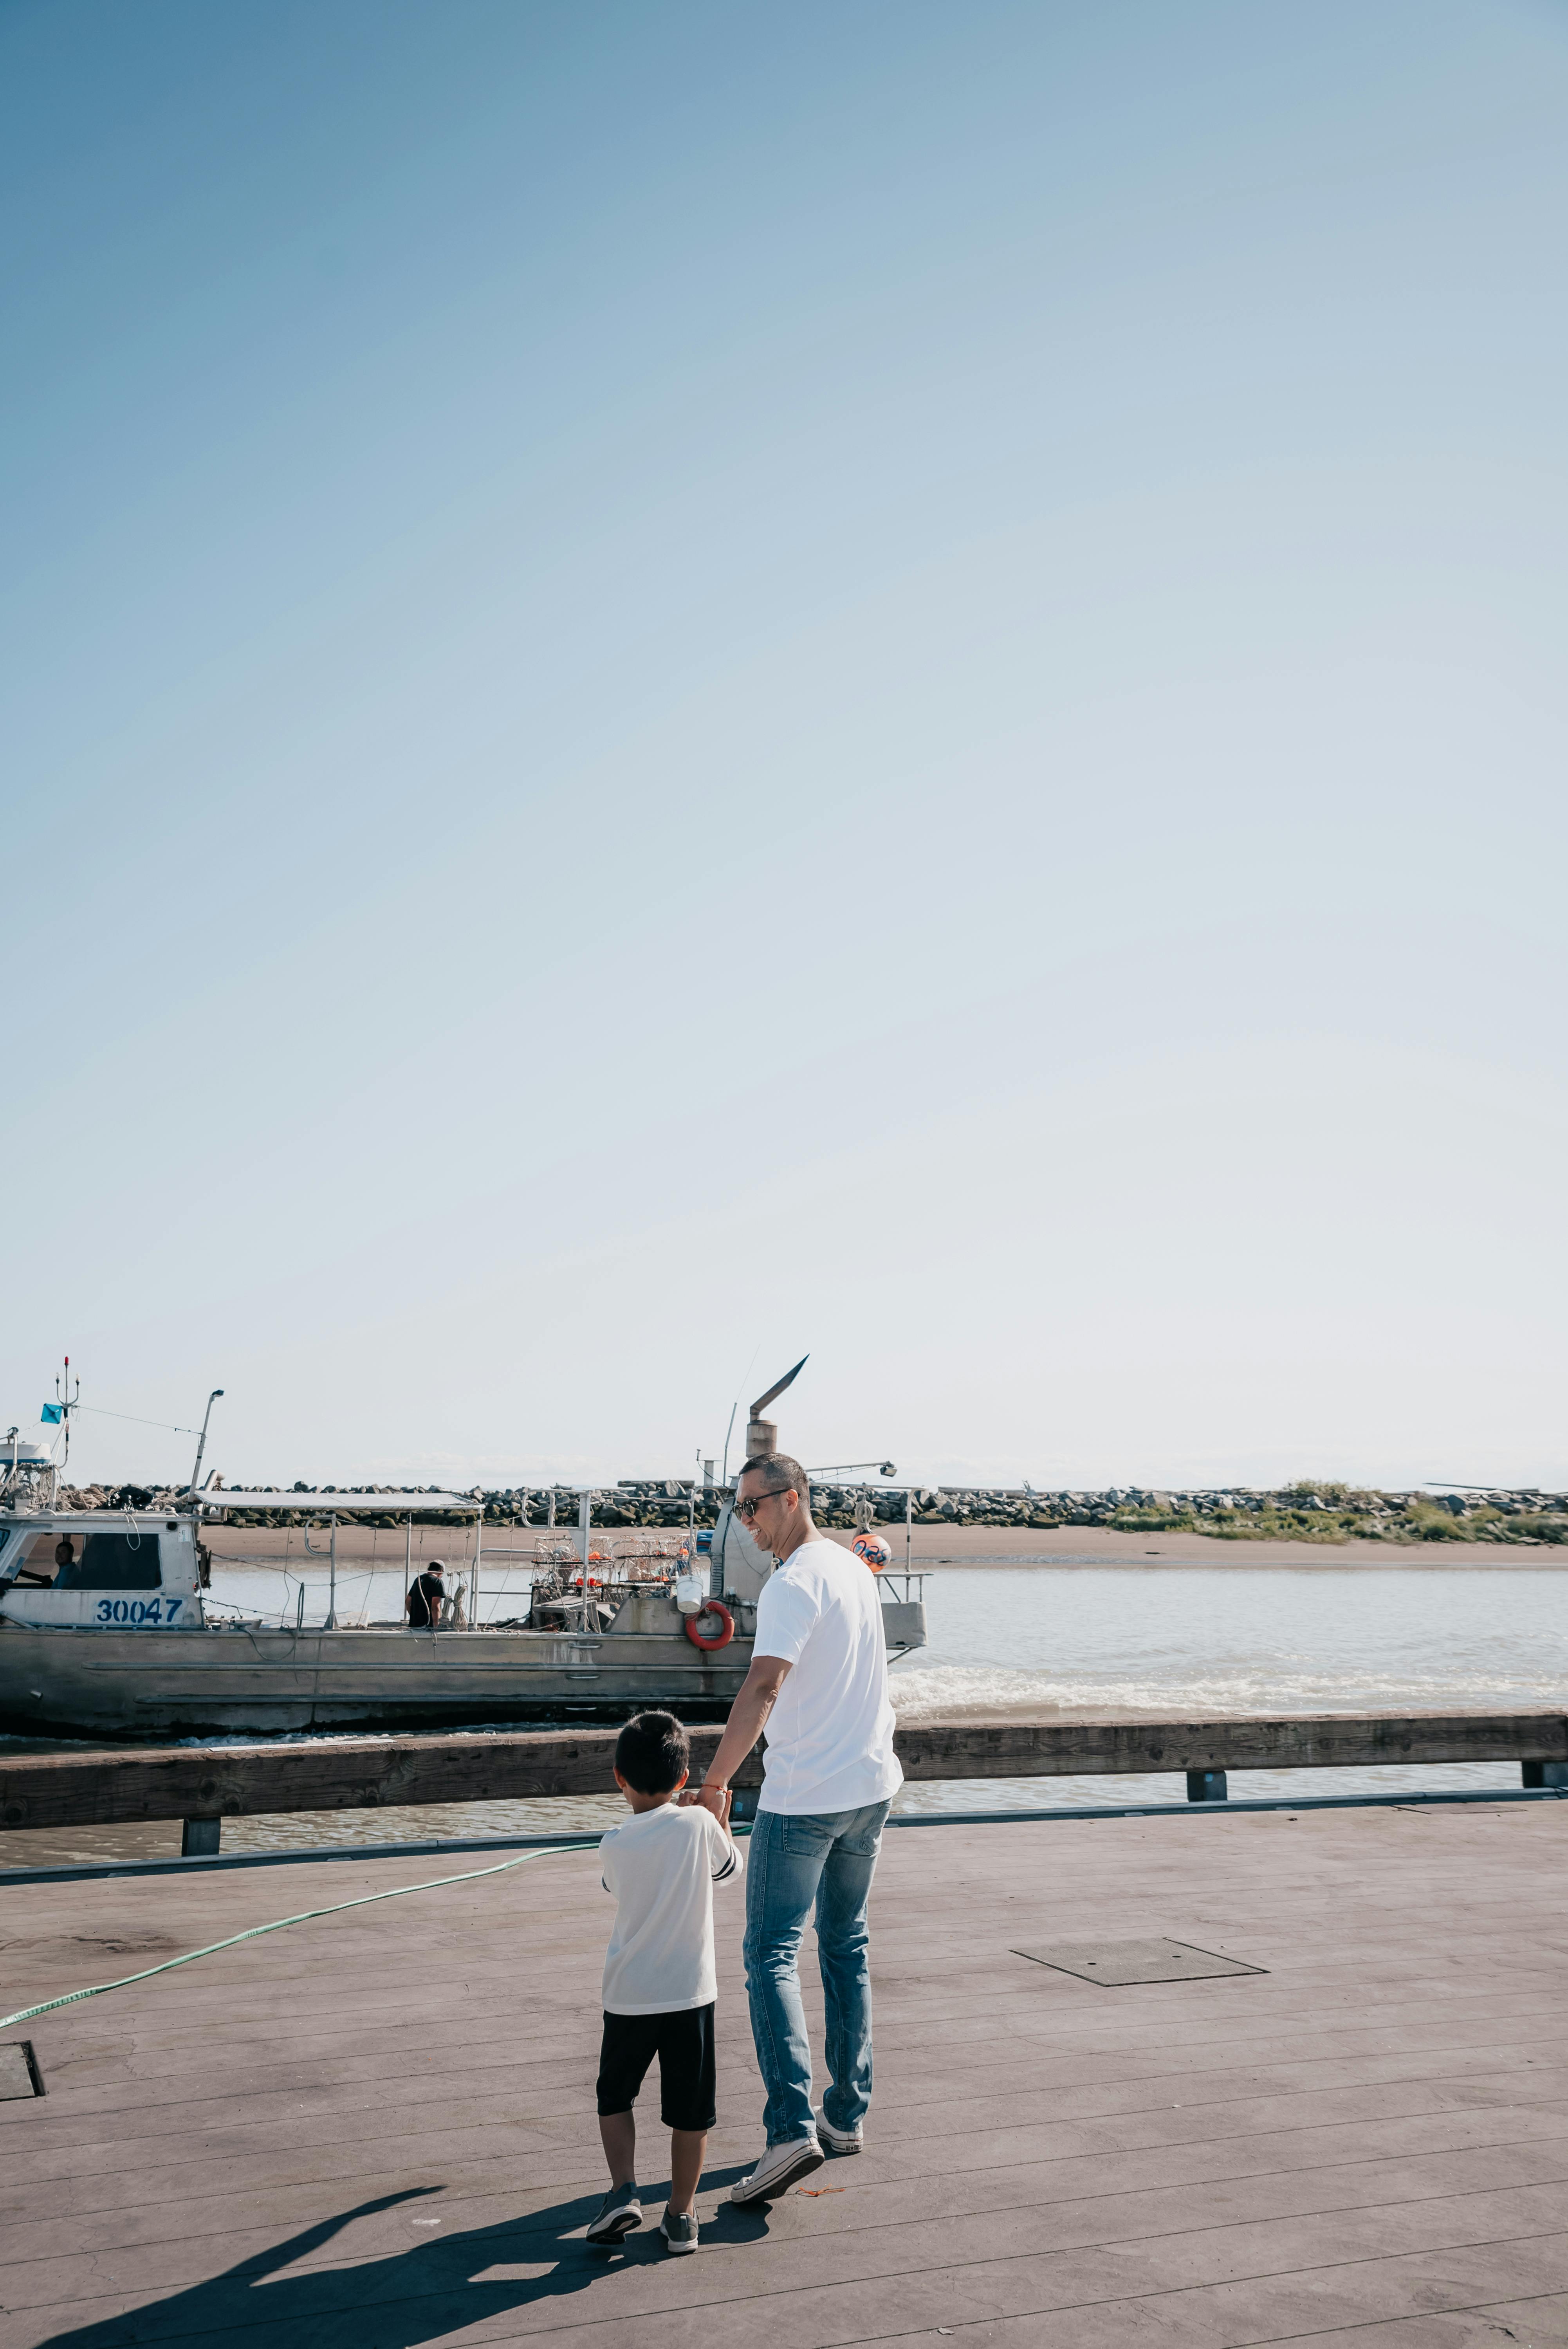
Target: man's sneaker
[(616, 2217), (839, 2141), (679, 2229), (778, 2170)]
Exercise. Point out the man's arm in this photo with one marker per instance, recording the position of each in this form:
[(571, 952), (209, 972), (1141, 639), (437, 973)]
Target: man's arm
[(748, 1719)]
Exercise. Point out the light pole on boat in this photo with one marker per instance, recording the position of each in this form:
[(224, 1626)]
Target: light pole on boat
[(584, 1510), (196, 1472), (331, 1622)]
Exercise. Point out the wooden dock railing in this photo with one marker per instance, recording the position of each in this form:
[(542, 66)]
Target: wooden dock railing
[(205, 1784)]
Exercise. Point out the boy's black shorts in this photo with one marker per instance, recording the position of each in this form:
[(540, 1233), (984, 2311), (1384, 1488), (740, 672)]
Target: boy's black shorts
[(683, 2043)]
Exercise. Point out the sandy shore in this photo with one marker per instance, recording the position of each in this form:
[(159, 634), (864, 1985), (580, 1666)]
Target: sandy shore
[(1100, 1545), (933, 1546)]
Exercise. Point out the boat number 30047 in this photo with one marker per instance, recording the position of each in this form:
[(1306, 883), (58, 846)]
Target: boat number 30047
[(140, 1610)]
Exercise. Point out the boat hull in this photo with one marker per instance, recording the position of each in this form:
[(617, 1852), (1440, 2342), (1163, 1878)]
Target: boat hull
[(67, 1681)]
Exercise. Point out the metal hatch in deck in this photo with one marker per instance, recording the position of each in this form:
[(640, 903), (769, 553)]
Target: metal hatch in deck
[(1115, 1965)]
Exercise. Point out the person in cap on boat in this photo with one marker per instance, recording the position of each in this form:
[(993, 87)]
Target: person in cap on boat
[(427, 1596), (819, 1680)]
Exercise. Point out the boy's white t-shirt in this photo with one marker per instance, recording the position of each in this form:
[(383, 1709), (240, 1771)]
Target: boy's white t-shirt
[(830, 1733), (662, 1866)]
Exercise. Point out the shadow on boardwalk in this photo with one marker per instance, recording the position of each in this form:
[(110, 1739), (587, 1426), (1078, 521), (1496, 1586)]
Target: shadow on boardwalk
[(438, 2286)]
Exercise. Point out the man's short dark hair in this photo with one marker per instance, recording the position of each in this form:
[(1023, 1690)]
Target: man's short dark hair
[(780, 1475), (653, 1752), (436, 1566)]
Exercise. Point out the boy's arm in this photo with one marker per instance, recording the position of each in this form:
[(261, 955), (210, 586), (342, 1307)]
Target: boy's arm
[(726, 1864)]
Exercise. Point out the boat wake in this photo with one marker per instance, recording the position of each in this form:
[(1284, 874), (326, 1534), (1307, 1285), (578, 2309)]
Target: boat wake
[(991, 1691)]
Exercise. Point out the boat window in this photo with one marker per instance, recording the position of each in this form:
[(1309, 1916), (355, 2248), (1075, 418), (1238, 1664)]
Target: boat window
[(37, 1558), (126, 1561), (64, 1559)]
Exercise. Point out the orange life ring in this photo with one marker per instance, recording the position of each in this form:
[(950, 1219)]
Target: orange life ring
[(727, 1623)]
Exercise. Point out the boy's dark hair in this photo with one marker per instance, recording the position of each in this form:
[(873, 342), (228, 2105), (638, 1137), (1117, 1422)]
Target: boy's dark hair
[(653, 1752)]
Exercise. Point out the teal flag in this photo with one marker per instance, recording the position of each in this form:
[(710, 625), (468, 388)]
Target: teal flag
[(51, 1414)]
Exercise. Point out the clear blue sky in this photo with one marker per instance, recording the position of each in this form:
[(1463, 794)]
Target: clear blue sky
[(681, 684)]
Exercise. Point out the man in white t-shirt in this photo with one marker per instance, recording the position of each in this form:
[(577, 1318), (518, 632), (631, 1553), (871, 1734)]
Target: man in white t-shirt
[(819, 1682)]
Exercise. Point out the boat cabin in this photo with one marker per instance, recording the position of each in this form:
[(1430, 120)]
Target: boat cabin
[(117, 1570)]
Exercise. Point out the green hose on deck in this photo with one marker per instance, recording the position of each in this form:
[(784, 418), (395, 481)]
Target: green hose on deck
[(26, 2013), (552, 1851)]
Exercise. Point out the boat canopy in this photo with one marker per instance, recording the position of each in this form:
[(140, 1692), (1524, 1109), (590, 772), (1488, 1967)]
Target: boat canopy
[(342, 1505)]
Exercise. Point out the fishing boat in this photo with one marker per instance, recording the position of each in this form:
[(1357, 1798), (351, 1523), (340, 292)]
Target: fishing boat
[(108, 1626)]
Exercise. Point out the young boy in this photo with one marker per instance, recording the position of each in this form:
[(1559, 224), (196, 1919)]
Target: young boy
[(659, 1979)]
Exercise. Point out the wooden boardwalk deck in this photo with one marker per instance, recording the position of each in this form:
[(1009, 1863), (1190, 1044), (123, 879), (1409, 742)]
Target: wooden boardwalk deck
[(379, 2130)]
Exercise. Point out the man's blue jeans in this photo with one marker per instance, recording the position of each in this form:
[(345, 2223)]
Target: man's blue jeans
[(792, 1861)]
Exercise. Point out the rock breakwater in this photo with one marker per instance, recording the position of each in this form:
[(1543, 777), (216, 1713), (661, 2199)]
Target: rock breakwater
[(1305, 1511)]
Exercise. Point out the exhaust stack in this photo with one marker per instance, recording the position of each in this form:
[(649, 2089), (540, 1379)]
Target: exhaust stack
[(763, 1435)]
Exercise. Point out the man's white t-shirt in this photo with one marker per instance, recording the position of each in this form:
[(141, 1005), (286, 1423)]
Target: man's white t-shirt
[(830, 1733), (662, 1867)]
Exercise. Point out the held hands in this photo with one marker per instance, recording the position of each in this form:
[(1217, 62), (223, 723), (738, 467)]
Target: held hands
[(716, 1799)]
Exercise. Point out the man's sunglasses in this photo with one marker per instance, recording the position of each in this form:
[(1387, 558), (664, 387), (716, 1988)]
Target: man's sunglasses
[(747, 1510)]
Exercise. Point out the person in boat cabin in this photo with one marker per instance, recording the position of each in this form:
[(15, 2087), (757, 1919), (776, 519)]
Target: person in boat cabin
[(661, 1983), (818, 1682), (427, 1596)]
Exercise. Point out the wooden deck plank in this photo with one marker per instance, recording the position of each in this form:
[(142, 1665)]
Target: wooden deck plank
[(173, 2106), (1372, 2136), (1344, 2199), (1532, 2324)]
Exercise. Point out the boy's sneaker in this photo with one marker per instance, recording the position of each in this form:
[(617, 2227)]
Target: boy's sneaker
[(616, 2217), (679, 2229), (778, 2170), (837, 2140)]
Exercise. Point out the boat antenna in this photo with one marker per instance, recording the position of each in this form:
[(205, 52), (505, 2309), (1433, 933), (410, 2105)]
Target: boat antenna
[(734, 1407), (64, 1403), (206, 1416)]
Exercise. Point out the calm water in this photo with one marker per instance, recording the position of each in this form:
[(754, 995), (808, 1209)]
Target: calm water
[(1226, 1640), (1165, 1642), (1204, 1641)]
